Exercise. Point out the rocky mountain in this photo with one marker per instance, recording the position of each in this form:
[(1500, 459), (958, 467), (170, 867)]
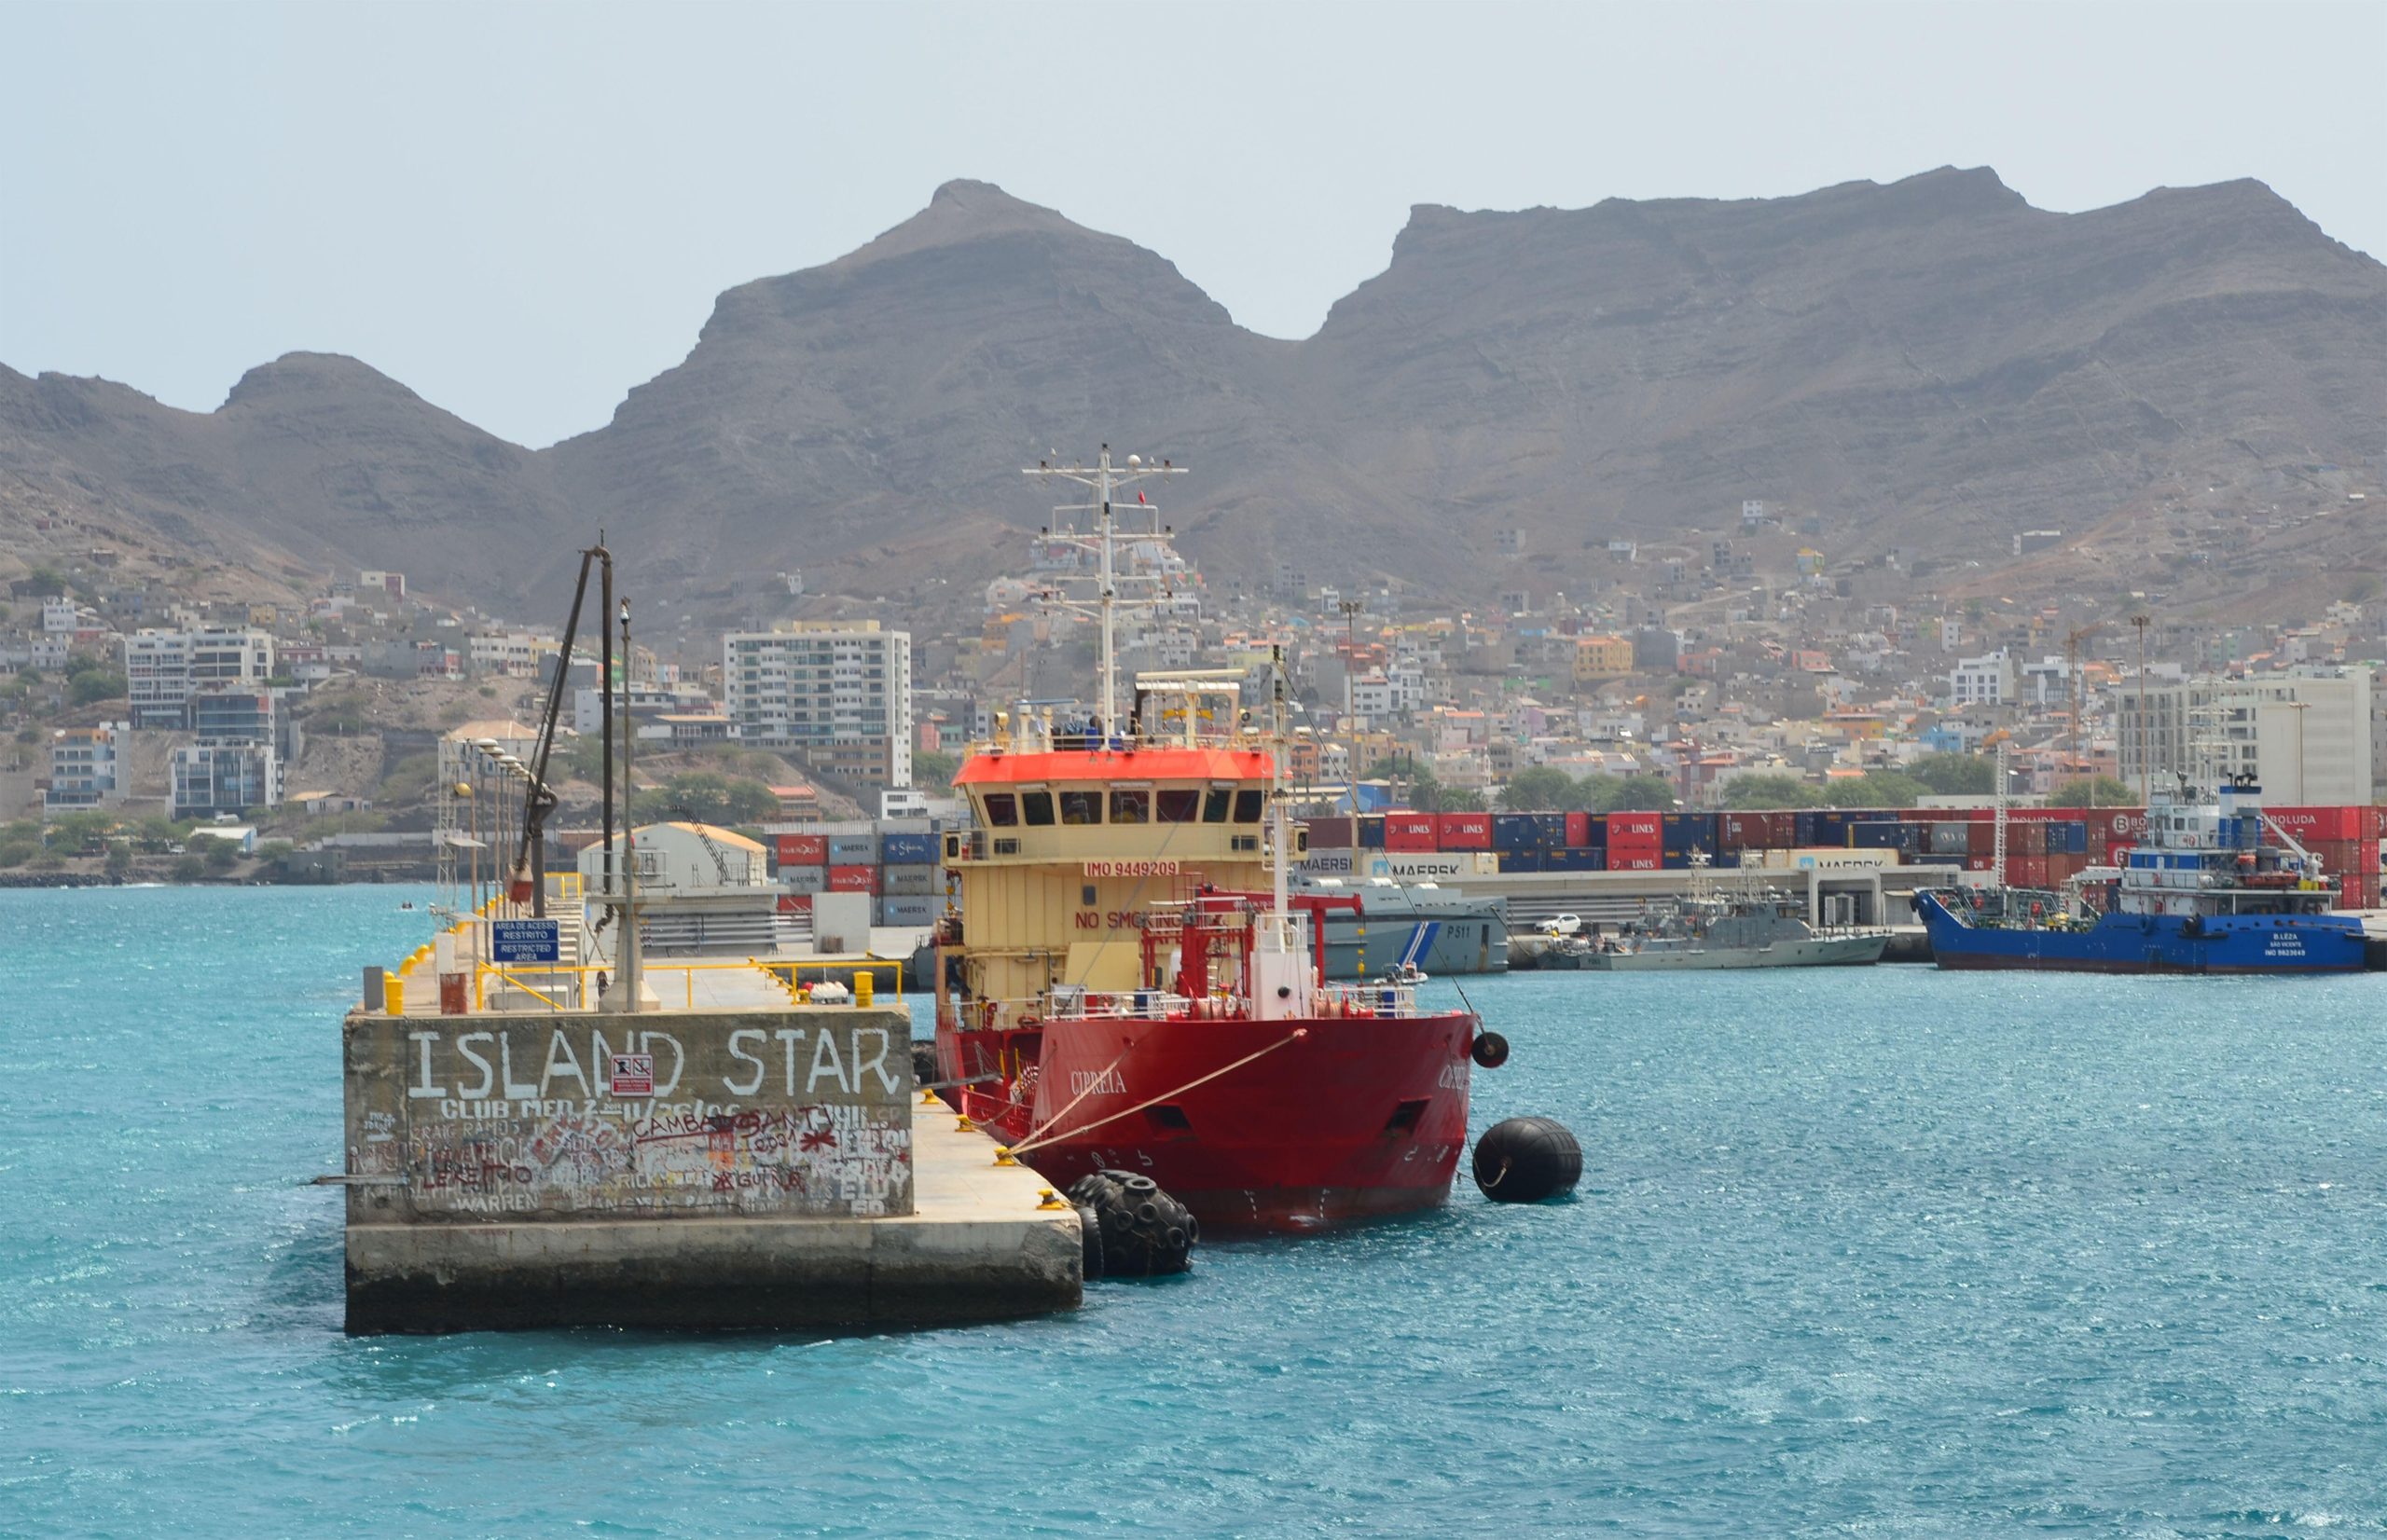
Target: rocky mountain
[(1931, 363)]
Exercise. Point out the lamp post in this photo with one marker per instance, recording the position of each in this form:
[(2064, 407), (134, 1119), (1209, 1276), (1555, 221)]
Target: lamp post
[(2146, 751)]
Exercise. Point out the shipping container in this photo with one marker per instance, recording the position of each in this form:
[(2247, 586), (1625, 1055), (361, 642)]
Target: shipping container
[(907, 849), (1981, 838), (1950, 839), (1688, 832), (910, 881), (853, 850), (2025, 870), (1651, 860), (1885, 834), (1516, 831), (1575, 858), (2322, 823), (1335, 834), (907, 911), (1630, 827), (1584, 832), (802, 849), (853, 879), (1464, 831), (1371, 832), (804, 879), (795, 903), (1413, 831), (1756, 830), (1523, 860)]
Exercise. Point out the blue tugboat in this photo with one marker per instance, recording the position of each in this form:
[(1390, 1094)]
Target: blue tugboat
[(2203, 892)]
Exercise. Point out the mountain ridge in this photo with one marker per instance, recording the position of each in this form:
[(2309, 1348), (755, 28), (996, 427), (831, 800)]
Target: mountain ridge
[(1930, 362)]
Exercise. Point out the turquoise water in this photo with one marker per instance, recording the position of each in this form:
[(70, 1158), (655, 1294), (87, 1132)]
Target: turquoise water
[(1888, 1252)]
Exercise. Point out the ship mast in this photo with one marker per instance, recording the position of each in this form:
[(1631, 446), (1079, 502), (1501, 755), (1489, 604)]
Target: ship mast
[(1106, 480)]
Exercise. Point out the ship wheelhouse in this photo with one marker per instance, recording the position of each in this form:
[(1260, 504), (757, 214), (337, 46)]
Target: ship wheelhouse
[(1076, 834)]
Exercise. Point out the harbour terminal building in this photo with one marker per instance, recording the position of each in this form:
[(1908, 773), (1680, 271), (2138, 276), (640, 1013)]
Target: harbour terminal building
[(838, 692)]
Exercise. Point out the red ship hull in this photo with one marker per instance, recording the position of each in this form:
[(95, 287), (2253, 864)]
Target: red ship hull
[(1335, 1119)]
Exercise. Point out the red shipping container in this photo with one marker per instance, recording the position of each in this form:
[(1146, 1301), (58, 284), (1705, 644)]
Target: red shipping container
[(2322, 823), (2112, 825), (1409, 832), (1578, 830), (2026, 871), (853, 879), (1623, 828), (1756, 830), (2377, 824), (1978, 863), (2366, 853), (1618, 861), (795, 903), (804, 849), (1464, 831), (1981, 839), (2117, 852)]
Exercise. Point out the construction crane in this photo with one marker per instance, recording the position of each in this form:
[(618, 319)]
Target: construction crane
[(2072, 669)]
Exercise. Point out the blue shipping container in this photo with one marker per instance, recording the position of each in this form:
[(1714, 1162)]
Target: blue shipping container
[(1588, 858), (1523, 860), (1688, 832), (1517, 831), (907, 849)]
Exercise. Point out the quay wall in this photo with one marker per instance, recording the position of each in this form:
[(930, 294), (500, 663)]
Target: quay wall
[(675, 1169)]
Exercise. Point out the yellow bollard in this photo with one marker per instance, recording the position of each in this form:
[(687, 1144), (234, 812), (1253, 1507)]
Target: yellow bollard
[(863, 986), (1002, 1155), (394, 995), (1050, 1199)]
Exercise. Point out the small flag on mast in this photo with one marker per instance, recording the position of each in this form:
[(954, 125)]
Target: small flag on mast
[(1139, 498)]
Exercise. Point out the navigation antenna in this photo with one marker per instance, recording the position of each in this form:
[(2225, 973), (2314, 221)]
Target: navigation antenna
[(1106, 479)]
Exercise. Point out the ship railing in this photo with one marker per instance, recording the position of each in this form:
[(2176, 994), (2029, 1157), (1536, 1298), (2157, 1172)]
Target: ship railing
[(1366, 999)]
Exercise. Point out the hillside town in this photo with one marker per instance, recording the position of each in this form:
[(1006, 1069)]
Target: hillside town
[(1742, 668)]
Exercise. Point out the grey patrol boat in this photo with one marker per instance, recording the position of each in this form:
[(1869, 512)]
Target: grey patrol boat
[(1750, 928)]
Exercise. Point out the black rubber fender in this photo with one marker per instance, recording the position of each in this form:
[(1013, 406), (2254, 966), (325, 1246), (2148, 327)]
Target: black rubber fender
[(1490, 1050), (1143, 1231), (1526, 1160)]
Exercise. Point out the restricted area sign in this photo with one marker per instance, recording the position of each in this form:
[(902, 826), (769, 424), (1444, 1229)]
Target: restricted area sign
[(525, 940), (633, 1075)]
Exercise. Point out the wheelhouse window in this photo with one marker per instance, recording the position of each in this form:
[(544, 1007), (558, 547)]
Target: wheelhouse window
[(1131, 807), (1177, 804), (1081, 807), (1002, 810), (1246, 806), (1038, 807), (1215, 803)]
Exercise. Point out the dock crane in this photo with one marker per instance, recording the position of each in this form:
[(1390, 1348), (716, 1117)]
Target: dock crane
[(529, 876), (2071, 668)]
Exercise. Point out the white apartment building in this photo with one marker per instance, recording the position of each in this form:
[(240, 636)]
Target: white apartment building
[(838, 691), (85, 767), (514, 654), (2305, 736), (1984, 681), (164, 669)]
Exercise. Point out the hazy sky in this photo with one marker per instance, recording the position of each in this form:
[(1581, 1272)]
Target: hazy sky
[(522, 210)]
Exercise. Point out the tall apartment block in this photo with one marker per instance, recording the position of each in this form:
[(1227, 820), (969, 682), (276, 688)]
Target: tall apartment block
[(838, 692)]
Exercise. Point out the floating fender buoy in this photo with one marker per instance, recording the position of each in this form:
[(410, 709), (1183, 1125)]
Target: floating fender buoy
[(923, 1064), (1526, 1160), (1143, 1232), (1490, 1050)]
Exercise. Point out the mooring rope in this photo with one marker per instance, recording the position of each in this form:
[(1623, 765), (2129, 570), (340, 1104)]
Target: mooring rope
[(1295, 1035)]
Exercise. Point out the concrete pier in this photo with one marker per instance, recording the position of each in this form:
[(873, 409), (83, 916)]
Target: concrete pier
[(707, 1168)]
